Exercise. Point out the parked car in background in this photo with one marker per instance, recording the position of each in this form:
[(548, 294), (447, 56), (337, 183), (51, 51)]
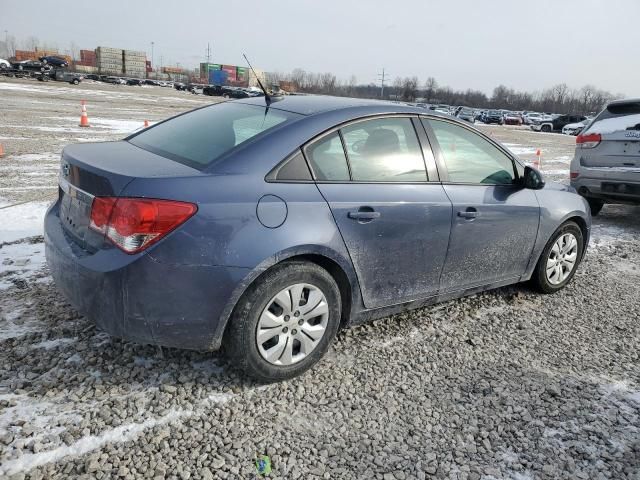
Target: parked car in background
[(466, 114), (575, 128), (4, 64), (61, 75), (31, 66), (135, 82), (606, 164), (92, 76), (115, 80), (179, 86), (155, 237), (512, 118), (529, 117), (493, 116), (54, 61), (555, 123)]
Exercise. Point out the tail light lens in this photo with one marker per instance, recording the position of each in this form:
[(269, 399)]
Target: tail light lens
[(573, 174), (134, 224), (590, 140)]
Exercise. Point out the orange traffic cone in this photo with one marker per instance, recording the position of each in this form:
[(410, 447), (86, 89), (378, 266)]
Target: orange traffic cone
[(146, 123), (1, 150), (84, 119), (538, 161)]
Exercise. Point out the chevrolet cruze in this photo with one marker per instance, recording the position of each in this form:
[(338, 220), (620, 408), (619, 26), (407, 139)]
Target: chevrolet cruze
[(265, 225)]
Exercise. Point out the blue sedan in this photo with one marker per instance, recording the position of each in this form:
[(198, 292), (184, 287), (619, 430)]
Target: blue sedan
[(264, 225)]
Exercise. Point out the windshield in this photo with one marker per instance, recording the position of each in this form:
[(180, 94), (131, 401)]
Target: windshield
[(200, 137)]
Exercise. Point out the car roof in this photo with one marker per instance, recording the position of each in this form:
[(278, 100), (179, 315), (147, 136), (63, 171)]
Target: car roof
[(315, 104), (623, 101)]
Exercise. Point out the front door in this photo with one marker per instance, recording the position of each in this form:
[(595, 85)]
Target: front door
[(494, 220), (394, 222)]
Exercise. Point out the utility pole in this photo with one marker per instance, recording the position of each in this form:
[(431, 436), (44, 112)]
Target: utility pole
[(208, 53), (152, 55), (381, 77)]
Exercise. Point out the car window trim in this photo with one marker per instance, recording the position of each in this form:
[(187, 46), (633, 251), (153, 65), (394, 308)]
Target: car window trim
[(271, 177), (442, 167), (319, 137)]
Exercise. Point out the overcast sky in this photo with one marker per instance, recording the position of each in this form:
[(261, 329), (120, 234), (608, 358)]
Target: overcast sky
[(523, 44)]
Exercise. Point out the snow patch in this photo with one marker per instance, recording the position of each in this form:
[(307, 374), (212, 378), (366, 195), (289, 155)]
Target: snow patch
[(89, 443), (55, 343)]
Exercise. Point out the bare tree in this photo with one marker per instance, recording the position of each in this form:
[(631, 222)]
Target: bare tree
[(430, 88), (31, 43), (11, 45)]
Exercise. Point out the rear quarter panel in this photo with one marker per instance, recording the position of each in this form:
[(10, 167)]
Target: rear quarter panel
[(226, 230)]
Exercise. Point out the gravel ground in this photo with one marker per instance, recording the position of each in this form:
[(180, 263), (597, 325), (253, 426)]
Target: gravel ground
[(504, 385)]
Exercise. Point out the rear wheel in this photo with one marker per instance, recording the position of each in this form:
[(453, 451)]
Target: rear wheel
[(546, 128), (284, 323), (595, 205), (559, 260)]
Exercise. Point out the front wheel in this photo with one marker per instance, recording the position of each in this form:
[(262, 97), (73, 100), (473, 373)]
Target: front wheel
[(559, 260), (75, 81), (284, 324)]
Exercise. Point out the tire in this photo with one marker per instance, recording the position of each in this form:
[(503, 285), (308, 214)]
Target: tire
[(241, 344), (75, 81), (540, 279), (545, 129), (226, 95), (595, 205)]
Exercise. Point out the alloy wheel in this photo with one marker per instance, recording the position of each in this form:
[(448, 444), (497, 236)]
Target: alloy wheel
[(292, 324), (562, 258)]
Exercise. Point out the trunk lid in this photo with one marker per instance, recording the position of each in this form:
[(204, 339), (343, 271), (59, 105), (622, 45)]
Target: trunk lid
[(618, 154), (91, 170)]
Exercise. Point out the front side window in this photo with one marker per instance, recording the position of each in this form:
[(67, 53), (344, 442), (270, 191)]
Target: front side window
[(327, 159), (200, 137), (384, 150), (469, 158)]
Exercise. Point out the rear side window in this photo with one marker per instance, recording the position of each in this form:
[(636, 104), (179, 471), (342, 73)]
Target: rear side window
[(384, 150), (327, 159), (200, 137)]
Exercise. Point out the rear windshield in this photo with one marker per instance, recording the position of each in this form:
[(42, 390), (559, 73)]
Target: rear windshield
[(617, 117), (200, 137)]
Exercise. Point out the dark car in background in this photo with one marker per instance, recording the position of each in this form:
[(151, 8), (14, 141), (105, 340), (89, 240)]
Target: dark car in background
[(555, 123), (493, 117), (31, 66), (266, 225), (135, 82), (54, 61)]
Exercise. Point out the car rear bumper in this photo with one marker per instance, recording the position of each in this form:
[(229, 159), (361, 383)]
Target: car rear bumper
[(137, 298), (607, 184)]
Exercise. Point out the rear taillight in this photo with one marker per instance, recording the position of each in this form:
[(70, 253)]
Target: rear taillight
[(573, 174), (590, 140), (134, 224)]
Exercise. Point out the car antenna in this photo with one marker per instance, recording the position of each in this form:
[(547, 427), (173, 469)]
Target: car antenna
[(267, 97)]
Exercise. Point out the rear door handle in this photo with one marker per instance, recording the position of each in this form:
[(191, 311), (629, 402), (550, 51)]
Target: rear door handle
[(364, 215), (469, 213)]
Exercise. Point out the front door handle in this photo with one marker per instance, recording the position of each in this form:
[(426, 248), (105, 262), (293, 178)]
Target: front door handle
[(470, 213), (364, 215)]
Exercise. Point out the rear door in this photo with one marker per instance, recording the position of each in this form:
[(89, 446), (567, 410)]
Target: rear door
[(391, 211), (494, 220)]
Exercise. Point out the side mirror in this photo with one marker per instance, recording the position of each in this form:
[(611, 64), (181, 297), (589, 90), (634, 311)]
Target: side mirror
[(532, 178)]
